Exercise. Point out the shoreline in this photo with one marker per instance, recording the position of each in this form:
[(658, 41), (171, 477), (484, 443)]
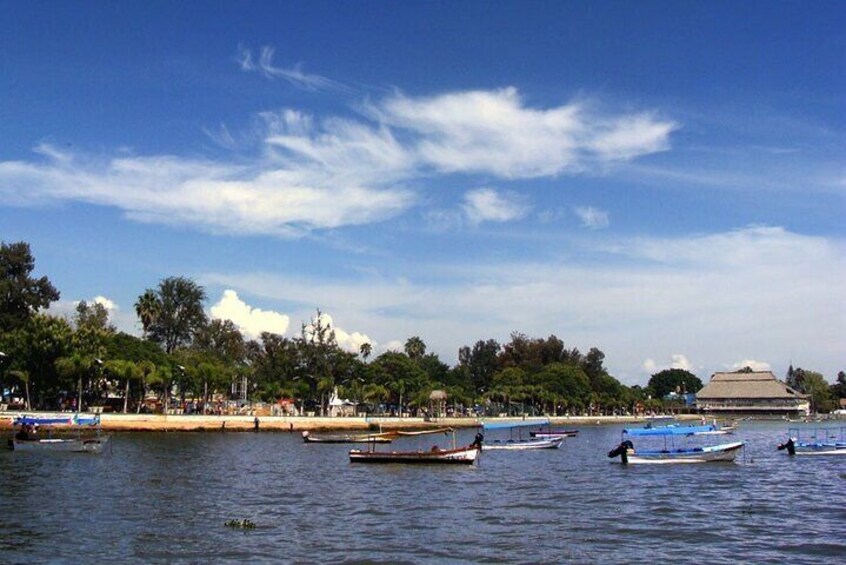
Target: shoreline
[(203, 423)]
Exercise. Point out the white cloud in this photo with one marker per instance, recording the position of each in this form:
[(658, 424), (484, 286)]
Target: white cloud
[(752, 364), (294, 75), (678, 361), (347, 341), (495, 132), (327, 172), (251, 321), (488, 205), (394, 345), (751, 293), (109, 305), (592, 218)]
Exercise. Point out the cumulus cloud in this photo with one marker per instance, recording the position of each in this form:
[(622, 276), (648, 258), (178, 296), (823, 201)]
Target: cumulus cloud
[(752, 364), (715, 297), (325, 172), (348, 341), (488, 205), (109, 305), (592, 218), (251, 321), (677, 361)]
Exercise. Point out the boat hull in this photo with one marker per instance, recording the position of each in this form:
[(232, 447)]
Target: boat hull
[(461, 456), (69, 445), (345, 439), (554, 435), (822, 451), (711, 454), (518, 445)]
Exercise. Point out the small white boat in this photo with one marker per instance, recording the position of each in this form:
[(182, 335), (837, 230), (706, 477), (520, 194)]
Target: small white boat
[(347, 438), (28, 439), (815, 441), (549, 434), (670, 454), (519, 443)]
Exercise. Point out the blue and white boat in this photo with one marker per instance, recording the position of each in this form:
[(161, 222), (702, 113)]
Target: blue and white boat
[(518, 443), (815, 441), (669, 453), (31, 434)]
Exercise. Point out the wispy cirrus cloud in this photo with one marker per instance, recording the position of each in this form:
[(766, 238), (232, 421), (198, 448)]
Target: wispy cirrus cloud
[(488, 205), (325, 172), (495, 132), (295, 75), (592, 218)]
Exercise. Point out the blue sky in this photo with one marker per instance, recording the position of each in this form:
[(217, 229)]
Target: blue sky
[(662, 180)]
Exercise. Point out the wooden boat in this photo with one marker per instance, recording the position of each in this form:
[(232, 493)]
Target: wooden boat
[(348, 438), (550, 434), (519, 443), (815, 441), (28, 439), (459, 456), (435, 456), (670, 454), (522, 444)]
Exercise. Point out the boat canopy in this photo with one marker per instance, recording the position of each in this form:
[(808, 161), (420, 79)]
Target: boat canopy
[(514, 424), (32, 421), (670, 431), (76, 419)]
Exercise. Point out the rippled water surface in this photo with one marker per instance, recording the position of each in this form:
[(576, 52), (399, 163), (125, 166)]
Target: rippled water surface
[(165, 498)]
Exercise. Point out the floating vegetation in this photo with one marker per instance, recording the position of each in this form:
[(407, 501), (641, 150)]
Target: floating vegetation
[(244, 524)]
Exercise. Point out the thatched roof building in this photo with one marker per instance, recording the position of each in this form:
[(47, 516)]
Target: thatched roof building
[(758, 392)]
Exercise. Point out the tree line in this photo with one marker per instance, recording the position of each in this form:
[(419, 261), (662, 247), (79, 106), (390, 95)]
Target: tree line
[(56, 362)]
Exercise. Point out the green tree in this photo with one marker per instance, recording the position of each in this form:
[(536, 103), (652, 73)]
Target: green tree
[(480, 363), (415, 348), (673, 380), (814, 385), (223, 339), (400, 375), (21, 295), (180, 316), (93, 329), (34, 348)]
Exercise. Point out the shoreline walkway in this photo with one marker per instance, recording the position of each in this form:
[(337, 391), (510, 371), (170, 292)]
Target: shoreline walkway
[(200, 423)]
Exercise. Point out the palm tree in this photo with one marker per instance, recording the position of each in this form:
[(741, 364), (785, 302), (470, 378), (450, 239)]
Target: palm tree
[(365, 349), (147, 307), (415, 348)]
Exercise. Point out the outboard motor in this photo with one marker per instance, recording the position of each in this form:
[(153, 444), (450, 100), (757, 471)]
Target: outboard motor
[(622, 451), (477, 441), (789, 445)]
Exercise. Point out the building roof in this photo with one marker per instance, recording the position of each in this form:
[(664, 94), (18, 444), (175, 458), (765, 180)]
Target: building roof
[(758, 384)]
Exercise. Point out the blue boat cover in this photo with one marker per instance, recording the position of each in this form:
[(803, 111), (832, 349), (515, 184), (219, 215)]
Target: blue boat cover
[(76, 419), (514, 424), (670, 431), (32, 421)]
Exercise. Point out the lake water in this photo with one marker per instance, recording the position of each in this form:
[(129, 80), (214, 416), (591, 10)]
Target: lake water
[(165, 498)]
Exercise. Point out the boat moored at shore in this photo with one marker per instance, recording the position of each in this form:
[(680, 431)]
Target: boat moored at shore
[(28, 437), (515, 440)]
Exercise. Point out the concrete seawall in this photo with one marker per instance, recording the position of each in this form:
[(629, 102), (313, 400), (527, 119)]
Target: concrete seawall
[(199, 423)]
